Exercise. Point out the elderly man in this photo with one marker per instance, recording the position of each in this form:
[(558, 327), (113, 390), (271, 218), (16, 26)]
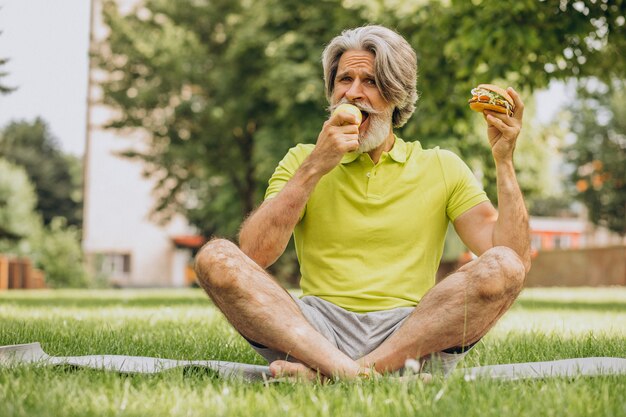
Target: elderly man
[(369, 213)]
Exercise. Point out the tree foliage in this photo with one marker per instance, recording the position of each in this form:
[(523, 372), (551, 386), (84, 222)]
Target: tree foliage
[(18, 219), (599, 153), (4, 89), (224, 87), (54, 248), (53, 174)]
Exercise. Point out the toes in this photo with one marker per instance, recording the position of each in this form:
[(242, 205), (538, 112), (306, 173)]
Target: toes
[(276, 368), (281, 368)]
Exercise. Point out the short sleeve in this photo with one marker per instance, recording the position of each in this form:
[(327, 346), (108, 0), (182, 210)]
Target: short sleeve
[(287, 168), (464, 190)]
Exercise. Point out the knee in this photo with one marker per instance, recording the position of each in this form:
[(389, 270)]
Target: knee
[(212, 259), (500, 273)]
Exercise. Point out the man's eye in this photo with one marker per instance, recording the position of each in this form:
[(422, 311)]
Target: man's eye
[(345, 79), (371, 81)]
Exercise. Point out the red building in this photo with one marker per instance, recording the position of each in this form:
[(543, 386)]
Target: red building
[(549, 233)]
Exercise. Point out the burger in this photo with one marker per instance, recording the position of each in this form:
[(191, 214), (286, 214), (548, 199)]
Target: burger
[(491, 97)]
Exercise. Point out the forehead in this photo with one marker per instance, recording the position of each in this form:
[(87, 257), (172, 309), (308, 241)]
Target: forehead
[(352, 60)]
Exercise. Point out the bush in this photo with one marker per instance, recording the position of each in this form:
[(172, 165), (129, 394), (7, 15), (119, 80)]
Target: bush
[(17, 204), (56, 250)]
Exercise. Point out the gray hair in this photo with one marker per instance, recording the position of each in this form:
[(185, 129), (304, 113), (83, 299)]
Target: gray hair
[(395, 66)]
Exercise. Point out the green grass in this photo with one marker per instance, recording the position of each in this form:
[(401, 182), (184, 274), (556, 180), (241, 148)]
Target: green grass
[(545, 324)]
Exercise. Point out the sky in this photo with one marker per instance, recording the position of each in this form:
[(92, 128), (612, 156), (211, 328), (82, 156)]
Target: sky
[(47, 44)]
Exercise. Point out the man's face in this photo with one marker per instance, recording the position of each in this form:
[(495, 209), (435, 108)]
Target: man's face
[(355, 83)]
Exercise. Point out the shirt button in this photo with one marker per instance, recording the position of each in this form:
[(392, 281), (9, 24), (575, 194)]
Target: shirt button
[(369, 174)]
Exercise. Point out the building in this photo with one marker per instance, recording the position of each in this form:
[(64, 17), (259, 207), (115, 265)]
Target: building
[(557, 233), (121, 242), (550, 233)]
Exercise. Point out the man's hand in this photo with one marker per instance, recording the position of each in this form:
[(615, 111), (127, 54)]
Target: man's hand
[(502, 129), (339, 136)]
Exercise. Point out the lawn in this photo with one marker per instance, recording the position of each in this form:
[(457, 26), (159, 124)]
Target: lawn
[(544, 324)]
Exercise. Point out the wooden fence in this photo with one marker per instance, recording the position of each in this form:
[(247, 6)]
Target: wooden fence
[(589, 267), (18, 273)]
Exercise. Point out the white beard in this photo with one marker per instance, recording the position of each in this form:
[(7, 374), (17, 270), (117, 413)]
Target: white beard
[(378, 130)]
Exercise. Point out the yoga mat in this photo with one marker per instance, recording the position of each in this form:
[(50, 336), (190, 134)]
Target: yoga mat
[(33, 353)]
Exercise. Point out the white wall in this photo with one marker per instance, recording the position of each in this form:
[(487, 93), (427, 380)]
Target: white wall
[(118, 200)]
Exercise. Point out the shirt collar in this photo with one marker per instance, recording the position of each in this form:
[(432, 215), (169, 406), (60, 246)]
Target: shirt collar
[(349, 157), (397, 153)]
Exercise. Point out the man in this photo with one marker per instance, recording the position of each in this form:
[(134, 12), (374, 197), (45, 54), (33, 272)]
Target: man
[(369, 214)]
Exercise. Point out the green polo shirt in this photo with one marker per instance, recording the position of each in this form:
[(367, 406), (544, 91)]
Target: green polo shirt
[(371, 235)]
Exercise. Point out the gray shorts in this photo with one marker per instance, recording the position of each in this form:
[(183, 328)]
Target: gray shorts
[(357, 334)]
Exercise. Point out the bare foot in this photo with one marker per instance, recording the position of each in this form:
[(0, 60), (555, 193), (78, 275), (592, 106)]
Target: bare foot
[(293, 372), (284, 371)]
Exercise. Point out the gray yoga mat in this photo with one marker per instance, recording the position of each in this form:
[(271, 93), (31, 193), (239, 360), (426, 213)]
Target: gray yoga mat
[(33, 353)]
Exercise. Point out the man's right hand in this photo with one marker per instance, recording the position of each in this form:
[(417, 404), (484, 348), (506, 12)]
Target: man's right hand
[(339, 136)]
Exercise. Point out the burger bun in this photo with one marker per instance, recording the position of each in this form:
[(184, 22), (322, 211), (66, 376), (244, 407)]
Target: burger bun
[(498, 90), (479, 107)]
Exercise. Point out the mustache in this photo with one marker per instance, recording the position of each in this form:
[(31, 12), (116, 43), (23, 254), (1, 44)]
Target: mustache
[(361, 106)]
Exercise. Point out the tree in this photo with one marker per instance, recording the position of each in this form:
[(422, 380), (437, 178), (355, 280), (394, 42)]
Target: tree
[(18, 219), (3, 88), (32, 146), (224, 87), (56, 249), (524, 43), (599, 153)]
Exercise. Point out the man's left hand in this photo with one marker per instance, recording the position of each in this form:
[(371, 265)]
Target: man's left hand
[(502, 129)]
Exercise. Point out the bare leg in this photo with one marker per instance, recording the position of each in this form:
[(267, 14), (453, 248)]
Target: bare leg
[(456, 312), (263, 311)]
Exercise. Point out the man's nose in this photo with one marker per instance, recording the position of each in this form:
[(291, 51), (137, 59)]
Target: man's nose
[(355, 92)]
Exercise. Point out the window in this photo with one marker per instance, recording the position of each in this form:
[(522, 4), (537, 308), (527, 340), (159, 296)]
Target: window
[(114, 264), (562, 241)]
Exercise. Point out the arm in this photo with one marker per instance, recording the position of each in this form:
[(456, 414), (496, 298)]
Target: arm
[(482, 227), (265, 234)]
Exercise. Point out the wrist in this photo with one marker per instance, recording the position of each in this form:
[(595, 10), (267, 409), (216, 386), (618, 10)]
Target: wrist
[(505, 169), (315, 167)]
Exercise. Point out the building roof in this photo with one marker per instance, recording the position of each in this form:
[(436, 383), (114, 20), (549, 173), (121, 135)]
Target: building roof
[(188, 241), (557, 224)]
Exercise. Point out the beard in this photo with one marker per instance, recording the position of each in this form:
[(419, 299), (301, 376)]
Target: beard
[(377, 131)]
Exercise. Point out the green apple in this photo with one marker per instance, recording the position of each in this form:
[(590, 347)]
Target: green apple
[(351, 109)]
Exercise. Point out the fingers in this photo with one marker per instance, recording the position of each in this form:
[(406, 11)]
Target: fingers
[(499, 121), (507, 120), (352, 144), (344, 118), (344, 138)]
